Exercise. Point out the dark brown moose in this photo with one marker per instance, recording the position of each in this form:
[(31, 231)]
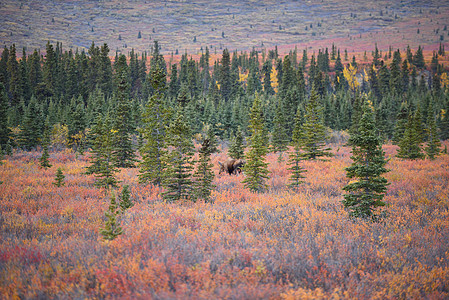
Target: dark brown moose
[(232, 166)]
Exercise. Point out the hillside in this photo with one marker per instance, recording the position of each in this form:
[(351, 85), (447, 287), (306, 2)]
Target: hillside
[(191, 25)]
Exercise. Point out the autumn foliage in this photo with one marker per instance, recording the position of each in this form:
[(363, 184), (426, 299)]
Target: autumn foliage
[(279, 244)]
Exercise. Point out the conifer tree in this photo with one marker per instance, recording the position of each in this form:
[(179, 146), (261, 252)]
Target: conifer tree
[(102, 161), (410, 144), (314, 132), (31, 126), (295, 157), (401, 123), (59, 178), (366, 193), (433, 142), (5, 132), (125, 199), (280, 137), (123, 149), (256, 169), (236, 150), (45, 142), (112, 227), (178, 161), (204, 174), (155, 119)]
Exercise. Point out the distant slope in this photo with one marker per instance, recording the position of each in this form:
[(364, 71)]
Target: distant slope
[(241, 25)]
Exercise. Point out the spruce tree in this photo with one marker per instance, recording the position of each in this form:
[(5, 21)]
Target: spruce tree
[(5, 132), (433, 142), (256, 169), (178, 161), (401, 123), (125, 199), (31, 128), (314, 132), (59, 178), (410, 144), (102, 161), (45, 142), (123, 148), (295, 156), (236, 150), (366, 193), (204, 174), (155, 119), (280, 137), (112, 227)]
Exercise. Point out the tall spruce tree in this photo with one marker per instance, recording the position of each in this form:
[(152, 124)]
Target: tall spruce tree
[(178, 161), (295, 156), (314, 132), (366, 193), (280, 136), (410, 144), (45, 142), (5, 132), (124, 156), (102, 161), (236, 150), (31, 129), (433, 142), (155, 119), (204, 175), (256, 169)]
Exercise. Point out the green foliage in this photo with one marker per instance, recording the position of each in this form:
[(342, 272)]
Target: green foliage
[(102, 159), (112, 227), (45, 142), (256, 169), (295, 156), (178, 161), (59, 178), (410, 144), (433, 142), (280, 137), (204, 175), (236, 150), (31, 132), (314, 132), (5, 132), (366, 193), (125, 199), (155, 119), (124, 156)]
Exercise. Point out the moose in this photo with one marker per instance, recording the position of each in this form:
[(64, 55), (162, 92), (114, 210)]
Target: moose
[(232, 166)]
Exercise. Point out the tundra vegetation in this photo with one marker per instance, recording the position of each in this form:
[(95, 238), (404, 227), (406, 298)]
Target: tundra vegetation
[(359, 209)]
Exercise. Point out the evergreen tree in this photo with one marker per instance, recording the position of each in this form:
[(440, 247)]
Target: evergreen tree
[(224, 79), (5, 132), (280, 137), (410, 144), (314, 132), (59, 178), (178, 161), (418, 58), (367, 192), (31, 128), (401, 123), (125, 199), (112, 227), (236, 150), (295, 157), (433, 142), (204, 174), (155, 119), (124, 156), (102, 161), (45, 142), (256, 169)]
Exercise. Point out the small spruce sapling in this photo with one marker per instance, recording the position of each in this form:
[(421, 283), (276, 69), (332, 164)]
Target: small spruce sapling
[(112, 227), (59, 178)]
